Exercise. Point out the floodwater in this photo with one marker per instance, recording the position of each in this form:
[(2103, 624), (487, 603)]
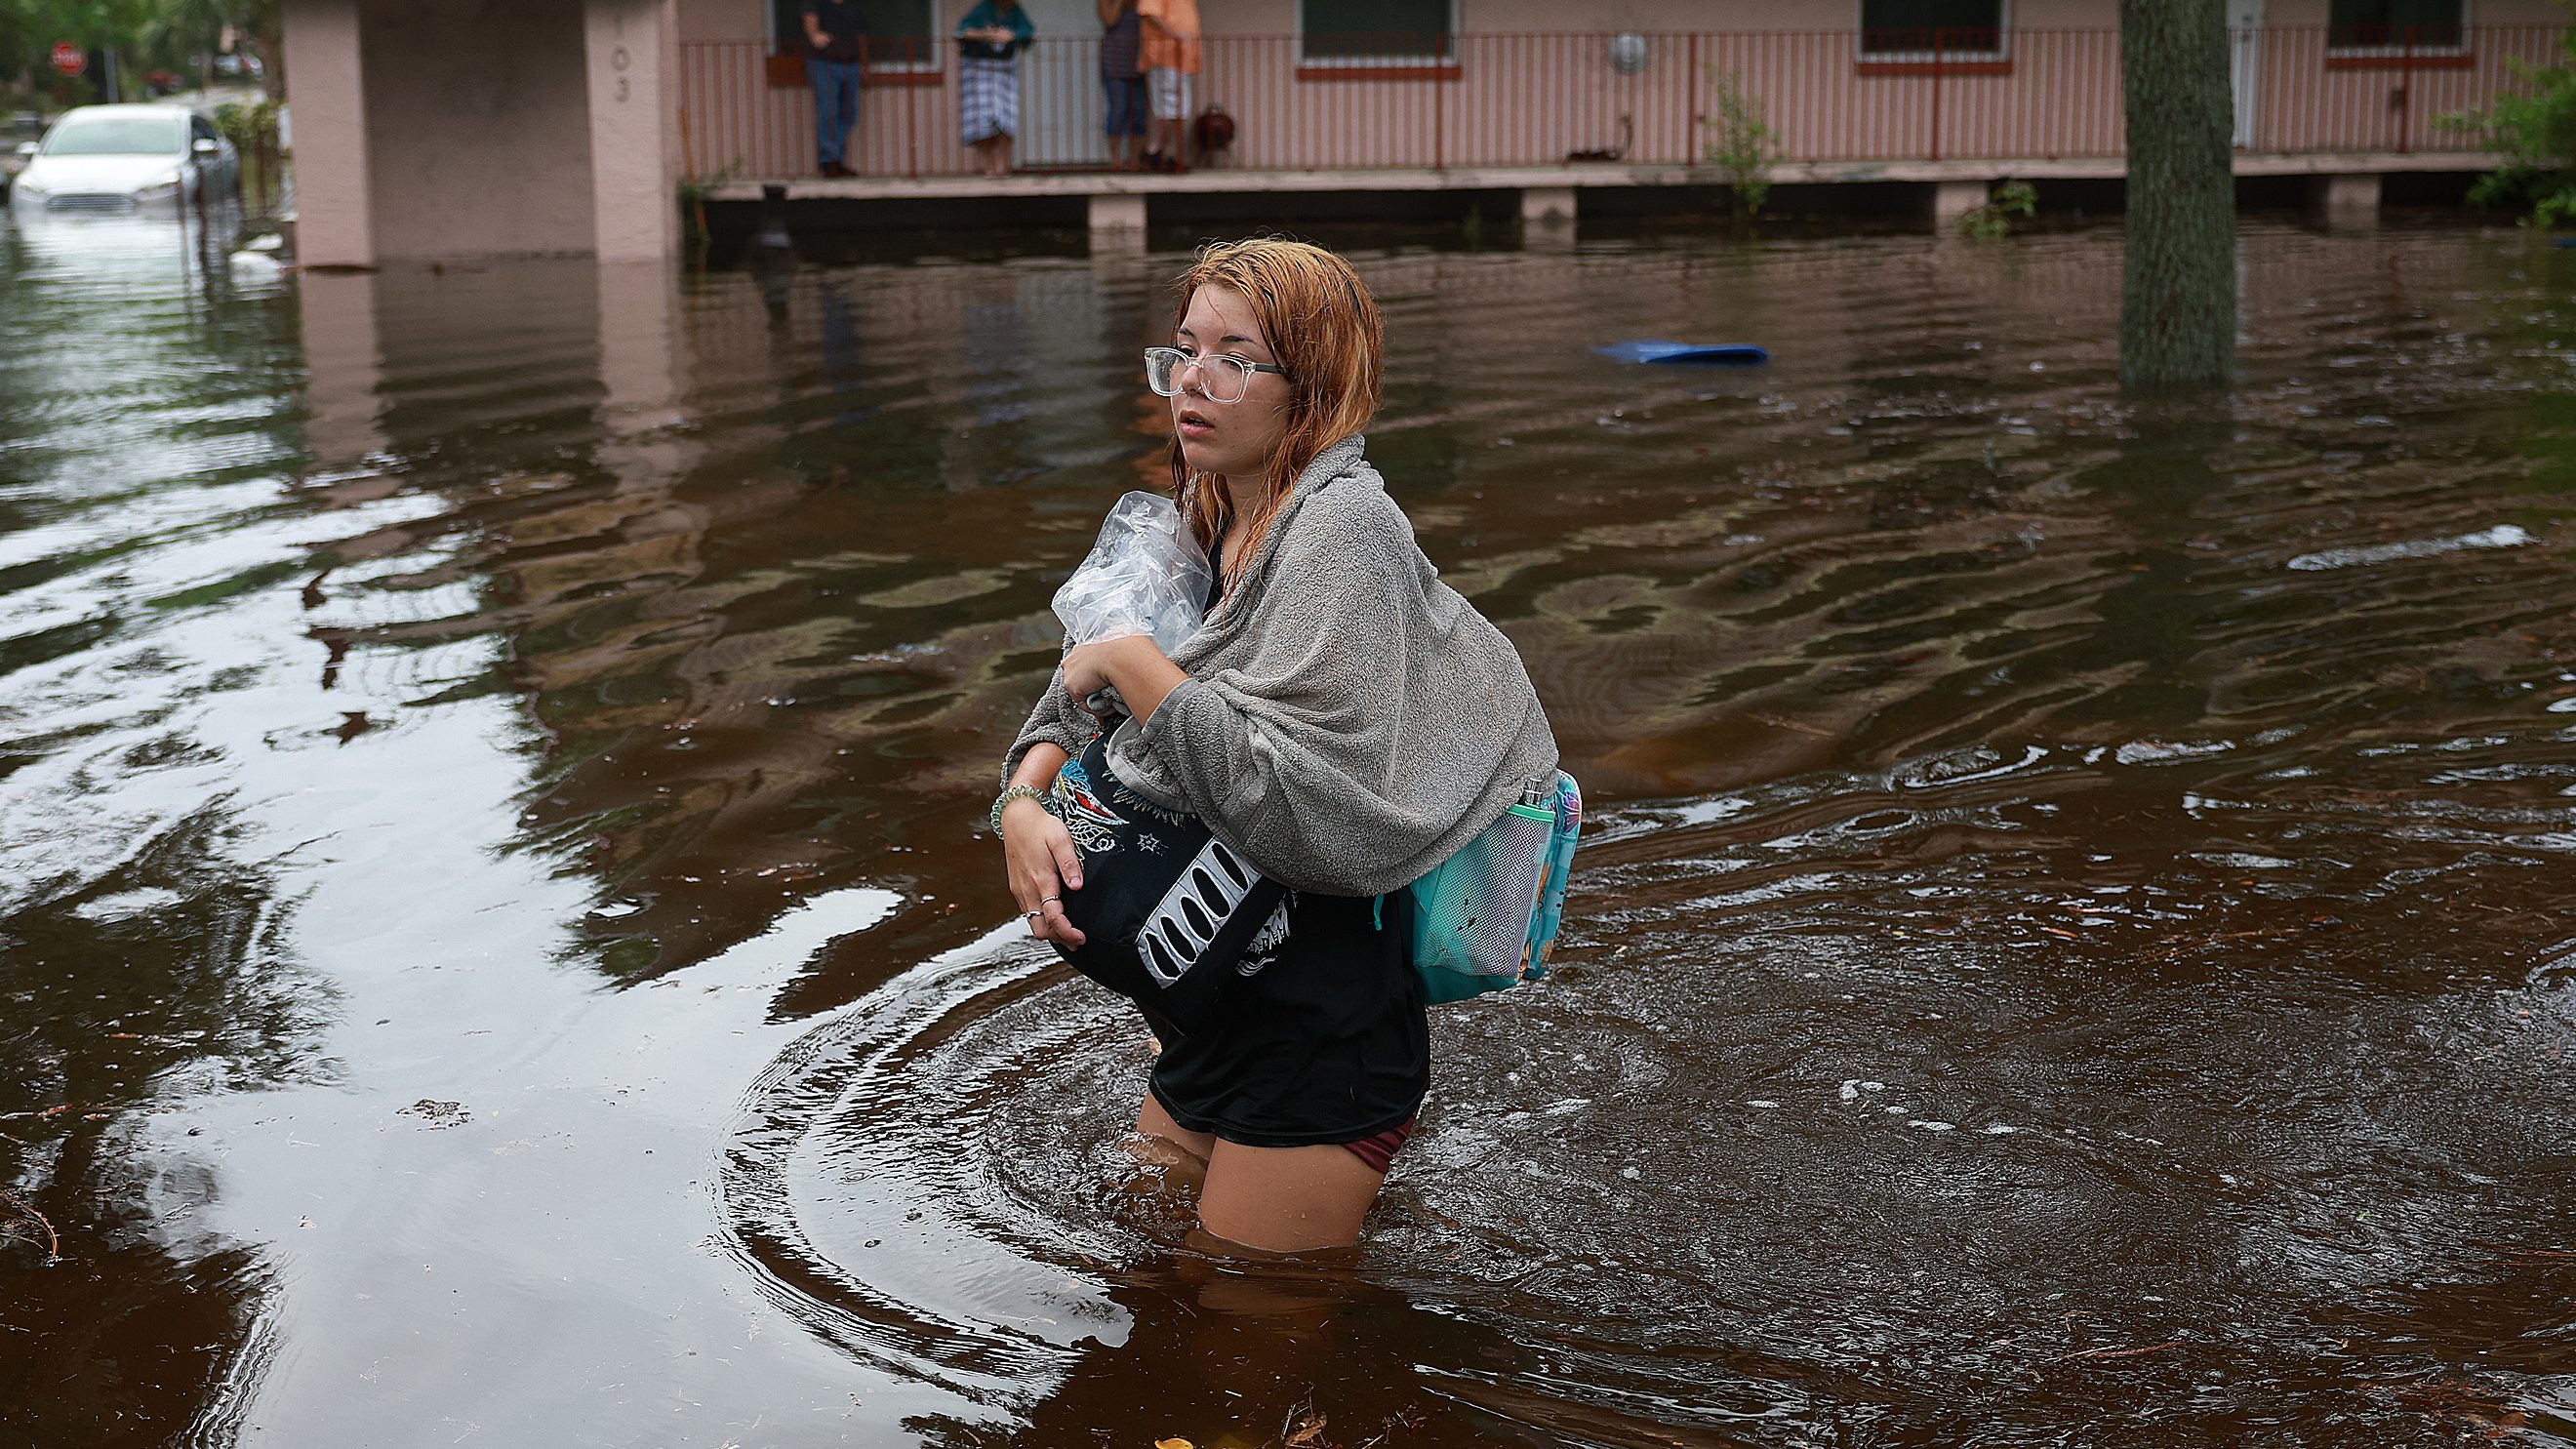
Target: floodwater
[(2077, 945)]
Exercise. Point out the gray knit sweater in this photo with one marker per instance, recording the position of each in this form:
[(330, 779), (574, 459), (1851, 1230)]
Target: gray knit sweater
[(1349, 720)]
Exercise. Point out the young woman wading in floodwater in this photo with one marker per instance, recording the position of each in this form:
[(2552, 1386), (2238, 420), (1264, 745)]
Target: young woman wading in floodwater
[(1342, 720)]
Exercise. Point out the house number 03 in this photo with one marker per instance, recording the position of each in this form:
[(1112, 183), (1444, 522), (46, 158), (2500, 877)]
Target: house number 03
[(618, 61)]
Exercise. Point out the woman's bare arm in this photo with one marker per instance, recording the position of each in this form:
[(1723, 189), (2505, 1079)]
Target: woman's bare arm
[(1039, 766), (1134, 665)]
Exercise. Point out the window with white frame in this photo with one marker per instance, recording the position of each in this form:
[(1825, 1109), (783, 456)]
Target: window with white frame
[(1368, 33), (903, 35), (1931, 29), (2395, 26)]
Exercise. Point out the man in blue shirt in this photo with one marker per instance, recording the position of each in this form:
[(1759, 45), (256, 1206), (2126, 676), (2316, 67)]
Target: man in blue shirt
[(836, 38)]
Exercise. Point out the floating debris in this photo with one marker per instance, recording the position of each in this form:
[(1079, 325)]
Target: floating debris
[(2503, 535), (437, 1115)]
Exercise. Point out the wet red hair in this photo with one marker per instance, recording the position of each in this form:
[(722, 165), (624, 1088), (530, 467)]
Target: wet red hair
[(1323, 326)]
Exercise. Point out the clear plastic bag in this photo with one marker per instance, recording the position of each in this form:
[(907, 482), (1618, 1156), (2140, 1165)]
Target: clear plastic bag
[(1145, 575)]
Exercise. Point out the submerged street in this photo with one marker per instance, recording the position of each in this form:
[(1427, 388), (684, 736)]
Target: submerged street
[(2074, 945)]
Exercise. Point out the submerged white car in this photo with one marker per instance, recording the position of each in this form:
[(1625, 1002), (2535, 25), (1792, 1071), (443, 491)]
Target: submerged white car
[(120, 160)]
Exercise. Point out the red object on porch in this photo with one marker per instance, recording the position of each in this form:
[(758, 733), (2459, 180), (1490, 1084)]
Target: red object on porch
[(1212, 134)]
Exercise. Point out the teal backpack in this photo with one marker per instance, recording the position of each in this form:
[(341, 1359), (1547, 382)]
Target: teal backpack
[(1486, 917)]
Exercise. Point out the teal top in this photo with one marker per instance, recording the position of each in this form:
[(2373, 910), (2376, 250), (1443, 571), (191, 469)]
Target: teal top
[(986, 15)]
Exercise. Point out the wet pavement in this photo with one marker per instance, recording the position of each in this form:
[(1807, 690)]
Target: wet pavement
[(2076, 948)]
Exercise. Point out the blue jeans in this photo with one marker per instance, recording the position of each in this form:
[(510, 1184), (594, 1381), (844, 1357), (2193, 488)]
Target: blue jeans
[(1124, 111), (836, 106)]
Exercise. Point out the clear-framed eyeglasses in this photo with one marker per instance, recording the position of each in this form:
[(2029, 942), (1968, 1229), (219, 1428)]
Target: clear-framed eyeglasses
[(1223, 376)]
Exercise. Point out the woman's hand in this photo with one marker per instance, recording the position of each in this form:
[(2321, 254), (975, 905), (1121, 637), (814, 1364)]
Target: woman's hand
[(1135, 664), (1042, 865), (1086, 666)]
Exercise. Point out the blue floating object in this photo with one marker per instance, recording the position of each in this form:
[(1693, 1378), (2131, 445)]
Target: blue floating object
[(2563, 241), (1689, 354)]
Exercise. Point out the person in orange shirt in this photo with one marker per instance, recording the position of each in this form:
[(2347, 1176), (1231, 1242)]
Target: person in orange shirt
[(1170, 54)]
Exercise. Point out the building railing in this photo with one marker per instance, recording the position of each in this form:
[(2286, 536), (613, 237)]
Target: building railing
[(1527, 100)]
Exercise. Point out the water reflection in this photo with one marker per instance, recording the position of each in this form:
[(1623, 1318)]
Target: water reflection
[(2072, 941), (143, 951), (1225, 1344)]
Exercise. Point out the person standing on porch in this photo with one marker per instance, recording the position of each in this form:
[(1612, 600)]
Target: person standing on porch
[(989, 42), (1122, 83), (1171, 57), (836, 49)]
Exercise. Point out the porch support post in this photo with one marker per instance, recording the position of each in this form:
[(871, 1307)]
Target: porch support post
[(631, 59), (1547, 206), (1954, 199), (1117, 221), (2350, 200), (334, 214)]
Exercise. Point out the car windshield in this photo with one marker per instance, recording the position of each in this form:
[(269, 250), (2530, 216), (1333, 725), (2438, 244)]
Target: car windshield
[(119, 136)]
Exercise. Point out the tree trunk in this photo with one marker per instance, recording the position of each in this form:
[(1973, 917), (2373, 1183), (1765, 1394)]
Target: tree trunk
[(2178, 280), (272, 58)]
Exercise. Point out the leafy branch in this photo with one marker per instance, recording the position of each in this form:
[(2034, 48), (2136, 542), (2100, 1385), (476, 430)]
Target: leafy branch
[(1995, 219), (1745, 146), (2536, 134)]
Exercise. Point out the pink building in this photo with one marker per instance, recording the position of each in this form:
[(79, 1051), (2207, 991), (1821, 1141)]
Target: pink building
[(603, 107)]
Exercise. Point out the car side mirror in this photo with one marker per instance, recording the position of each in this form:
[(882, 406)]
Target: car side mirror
[(206, 146), (26, 150)]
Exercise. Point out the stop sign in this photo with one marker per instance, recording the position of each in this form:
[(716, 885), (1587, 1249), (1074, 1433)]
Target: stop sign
[(70, 59)]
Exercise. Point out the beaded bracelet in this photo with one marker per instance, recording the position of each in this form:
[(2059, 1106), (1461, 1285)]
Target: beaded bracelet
[(1002, 802)]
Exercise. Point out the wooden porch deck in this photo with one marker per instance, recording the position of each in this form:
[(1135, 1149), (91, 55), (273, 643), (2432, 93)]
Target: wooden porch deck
[(1574, 176)]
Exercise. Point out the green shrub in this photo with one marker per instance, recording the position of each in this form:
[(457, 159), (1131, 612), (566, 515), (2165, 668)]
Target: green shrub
[(2537, 135), (694, 191), (252, 128), (250, 125), (1745, 148), (2008, 200)]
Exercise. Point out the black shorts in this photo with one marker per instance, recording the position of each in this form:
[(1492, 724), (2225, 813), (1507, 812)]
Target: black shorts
[(1325, 1040)]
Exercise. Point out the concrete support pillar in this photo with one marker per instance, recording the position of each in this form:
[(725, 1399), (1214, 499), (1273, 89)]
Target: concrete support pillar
[(1547, 206), (1954, 199), (334, 216), (2346, 201), (1117, 221), (631, 54)]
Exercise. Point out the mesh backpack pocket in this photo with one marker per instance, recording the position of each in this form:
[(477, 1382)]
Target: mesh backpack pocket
[(1568, 805), (1485, 918)]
